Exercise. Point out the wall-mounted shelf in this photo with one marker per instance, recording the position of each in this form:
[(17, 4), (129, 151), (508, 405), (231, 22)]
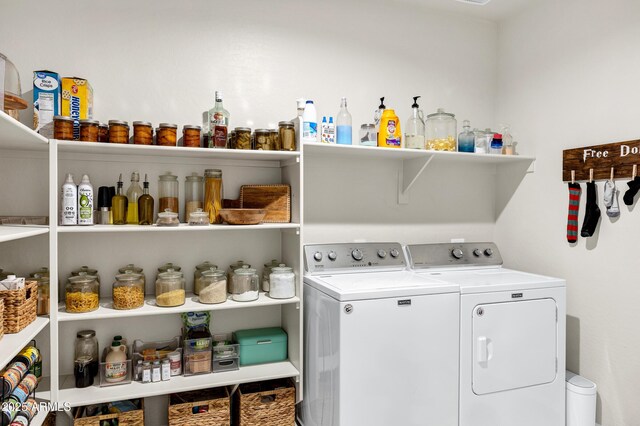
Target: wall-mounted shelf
[(183, 227), (15, 135), (11, 344), (18, 232)]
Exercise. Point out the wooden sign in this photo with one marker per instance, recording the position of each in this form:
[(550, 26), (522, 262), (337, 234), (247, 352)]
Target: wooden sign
[(622, 156)]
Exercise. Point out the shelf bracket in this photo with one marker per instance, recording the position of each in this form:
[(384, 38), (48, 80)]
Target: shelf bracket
[(409, 171)]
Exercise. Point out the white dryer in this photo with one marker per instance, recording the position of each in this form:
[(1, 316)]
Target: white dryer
[(381, 343), (512, 335)]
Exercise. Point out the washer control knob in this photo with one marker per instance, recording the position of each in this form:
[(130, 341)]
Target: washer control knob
[(488, 252), (382, 253), (356, 254), (457, 253), (332, 255), (394, 253), (317, 256), (477, 252)]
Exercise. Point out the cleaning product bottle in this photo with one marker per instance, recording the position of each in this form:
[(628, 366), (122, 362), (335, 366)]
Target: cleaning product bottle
[(466, 139), (119, 205), (145, 205), (69, 202), (389, 135), (331, 131), (309, 123), (324, 130), (343, 121), (133, 193), (85, 202), (377, 115), (415, 131), (297, 121)]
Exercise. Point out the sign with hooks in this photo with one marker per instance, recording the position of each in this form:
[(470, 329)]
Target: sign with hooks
[(598, 162)]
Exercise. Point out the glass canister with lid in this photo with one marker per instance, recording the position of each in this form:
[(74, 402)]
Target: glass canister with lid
[(168, 193), (197, 273), (442, 131), (170, 288), (86, 357), (43, 293), (213, 284), (266, 272), (237, 265), (168, 218), (282, 282), (85, 270), (82, 294), (128, 291), (199, 218), (193, 194), (245, 285), (133, 268)]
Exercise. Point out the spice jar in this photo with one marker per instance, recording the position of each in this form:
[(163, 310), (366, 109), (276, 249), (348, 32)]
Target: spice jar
[(441, 131), (63, 128), (135, 269), (213, 194), (282, 282), (261, 141), (82, 294), (213, 286), (89, 130), (167, 134), (245, 284), (170, 289), (128, 291), (199, 218), (274, 140), (168, 193), (266, 272), (87, 358), (287, 136), (191, 136), (204, 266), (103, 132), (118, 131), (142, 133), (43, 293), (193, 194), (85, 270), (242, 138), (168, 218)]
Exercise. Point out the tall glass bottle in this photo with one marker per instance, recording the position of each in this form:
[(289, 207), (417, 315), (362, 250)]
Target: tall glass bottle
[(219, 124), (133, 193), (119, 205), (415, 130), (466, 139), (145, 205), (343, 122)]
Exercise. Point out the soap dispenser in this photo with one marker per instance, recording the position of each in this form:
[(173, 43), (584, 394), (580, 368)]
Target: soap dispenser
[(415, 130), (377, 114)]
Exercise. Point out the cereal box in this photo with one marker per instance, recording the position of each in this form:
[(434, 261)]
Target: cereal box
[(46, 101), (77, 101)]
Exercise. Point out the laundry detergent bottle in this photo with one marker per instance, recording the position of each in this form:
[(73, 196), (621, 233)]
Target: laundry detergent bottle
[(390, 135)]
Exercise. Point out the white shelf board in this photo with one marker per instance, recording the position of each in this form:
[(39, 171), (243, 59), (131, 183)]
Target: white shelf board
[(15, 135), (95, 394), (183, 227), (40, 417), (17, 232), (11, 344), (106, 311)]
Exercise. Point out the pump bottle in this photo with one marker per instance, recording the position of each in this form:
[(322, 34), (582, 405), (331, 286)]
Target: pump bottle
[(415, 130)]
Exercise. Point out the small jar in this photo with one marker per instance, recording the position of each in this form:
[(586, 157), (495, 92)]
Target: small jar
[(82, 294), (274, 140), (246, 285), (170, 289), (133, 268), (193, 194), (168, 193), (103, 132), (175, 359), (199, 218), (128, 291), (142, 133), (43, 293), (89, 130), (191, 136), (282, 282), (213, 286), (262, 139), (368, 135), (85, 270), (167, 134), (63, 128), (242, 138), (204, 266), (266, 272), (168, 218), (118, 131), (287, 136)]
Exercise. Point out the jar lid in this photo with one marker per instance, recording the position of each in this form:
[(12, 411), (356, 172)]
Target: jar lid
[(286, 123), (41, 279), (118, 122), (103, 125), (85, 269), (263, 130), (82, 279), (242, 129), (213, 173), (168, 176), (194, 178), (83, 334), (213, 272), (245, 270), (191, 126), (62, 118), (142, 123), (42, 272), (206, 264), (175, 356), (199, 214), (281, 269), (170, 274), (368, 126), (167, 126), (168, 214), (238, 264), (441, 114), (167, 266), (130, 267), (90, 122), (128, 276), (274, 262)]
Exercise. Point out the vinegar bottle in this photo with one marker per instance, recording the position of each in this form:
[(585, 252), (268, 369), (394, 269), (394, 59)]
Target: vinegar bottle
[(145, 205), (133, 193), (119, 205)]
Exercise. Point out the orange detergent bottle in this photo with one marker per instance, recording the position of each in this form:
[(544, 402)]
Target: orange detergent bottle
[(389, 135)]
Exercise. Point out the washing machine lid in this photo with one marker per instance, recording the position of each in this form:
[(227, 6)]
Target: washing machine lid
[(378, 285)]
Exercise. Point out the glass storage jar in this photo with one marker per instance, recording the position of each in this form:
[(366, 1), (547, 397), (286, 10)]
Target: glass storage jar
[(128, 291), (103, 132), (442, 131), (142, 133), (167, 218), (199, 218), (213, 286), (245, 285), (193, 194), (85, 270), (167, 134), (197, 273), (282, 282), (239, 264), (82, 294), (43, 293), (368, 135), (13, 101), (274, 140), (168, 193), (63, 128), (213, 194), (167, 266), (86, 354), (118, 131), (89, 130), (266, 272), (287, 136), (191, 136), (242, 138), (261, 140), (133, 268), (170, 289)]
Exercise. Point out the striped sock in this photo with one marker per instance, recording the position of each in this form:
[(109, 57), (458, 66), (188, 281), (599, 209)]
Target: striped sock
[(574, 206)]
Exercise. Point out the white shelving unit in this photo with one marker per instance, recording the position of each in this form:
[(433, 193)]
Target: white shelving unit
[(18, 232), (11, 344)]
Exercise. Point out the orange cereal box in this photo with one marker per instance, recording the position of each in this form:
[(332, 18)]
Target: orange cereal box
[(77, 101)]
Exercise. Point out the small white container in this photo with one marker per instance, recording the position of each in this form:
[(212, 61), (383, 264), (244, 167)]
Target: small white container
[(581, 400), (282, 282)]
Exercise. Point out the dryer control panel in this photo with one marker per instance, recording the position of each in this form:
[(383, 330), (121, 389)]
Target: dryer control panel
[(454, 254), (326, 258)]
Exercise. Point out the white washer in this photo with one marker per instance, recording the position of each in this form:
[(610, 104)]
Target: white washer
[(512, 336), (381, 343)]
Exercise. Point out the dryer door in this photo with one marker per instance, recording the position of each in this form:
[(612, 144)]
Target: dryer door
[(514, 345)]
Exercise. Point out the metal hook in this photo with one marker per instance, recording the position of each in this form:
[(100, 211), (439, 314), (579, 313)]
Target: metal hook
[(591, 175), (573, 176)]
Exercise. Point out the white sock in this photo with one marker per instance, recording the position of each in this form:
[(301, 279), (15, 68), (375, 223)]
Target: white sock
[(611, 199)]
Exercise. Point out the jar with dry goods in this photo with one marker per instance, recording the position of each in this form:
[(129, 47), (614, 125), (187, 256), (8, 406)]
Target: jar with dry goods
[(282, 282), (167, 266), (213, 194), (142, 133), (133, 268), (170, 289), (89, 130), (266, 272), (118, 131), (191, 136), (128, 291), (167, 218), (63, 128), (245, 285), (237, 265), (82, 294), (85, 270), (167, 134), (103, 132), (242, 138), (274, 140), (287, 136), (262, 139), (193, 194), (214, 286), (168, 193), (204, 266), (199, 218), (43, 293)]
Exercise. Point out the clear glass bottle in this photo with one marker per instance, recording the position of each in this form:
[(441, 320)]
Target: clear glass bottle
[(193, 194), (168, 193), (415, 130), (466, 139), (219, 124), (119, 205), (170, 289), (133, 193), (145, 205), (507, 141), (343, 123), (213, 194)]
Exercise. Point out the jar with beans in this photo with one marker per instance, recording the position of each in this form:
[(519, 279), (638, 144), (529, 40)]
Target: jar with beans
[(82, 294)]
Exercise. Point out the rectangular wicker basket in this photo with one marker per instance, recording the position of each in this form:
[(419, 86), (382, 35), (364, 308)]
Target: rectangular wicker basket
[(270, 403), (20, 307), (215, 408), (130, 418)]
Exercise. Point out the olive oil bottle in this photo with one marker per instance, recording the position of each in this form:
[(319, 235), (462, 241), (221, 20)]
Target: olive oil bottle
[(119, 205), (133, 193), (145, 205)]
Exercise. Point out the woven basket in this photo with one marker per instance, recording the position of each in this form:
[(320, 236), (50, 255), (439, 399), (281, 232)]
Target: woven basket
[(218, 408), (270, 403), (19, 307), (50, 420), (1, 318), (130, 418)]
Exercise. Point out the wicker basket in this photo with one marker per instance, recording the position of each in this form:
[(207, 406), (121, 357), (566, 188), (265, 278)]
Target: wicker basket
[(19, 307), (130, 418), (1, 318), (50, 420), (270, 403), (218, 410)]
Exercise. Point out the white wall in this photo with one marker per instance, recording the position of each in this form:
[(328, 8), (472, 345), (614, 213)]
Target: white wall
[(569, 78)]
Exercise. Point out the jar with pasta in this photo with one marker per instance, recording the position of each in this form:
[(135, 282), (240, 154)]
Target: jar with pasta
[(262, 139), (213, 194), (82, 294), (167, 134), (204, 266), (214, 286), (170, 289), (142, 133), (128, 291), (242, 138)]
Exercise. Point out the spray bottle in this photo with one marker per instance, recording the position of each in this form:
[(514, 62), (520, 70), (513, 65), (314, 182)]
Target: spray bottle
[(69, 202), (85, 202)]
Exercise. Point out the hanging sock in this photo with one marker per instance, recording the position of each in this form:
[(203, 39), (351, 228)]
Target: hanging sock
[(611, 199), (574, 206), (592, 212), (634, 187)]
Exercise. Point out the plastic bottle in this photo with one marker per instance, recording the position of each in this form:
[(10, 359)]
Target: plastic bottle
[(415, 131), (390, 135), (297, 121), (324, 130), (331, 131), (69, 202), (466, 139), (309, 123), (133, 193), (116, 363), (343, 122), (85, 202), (496, 144), (377, 115)]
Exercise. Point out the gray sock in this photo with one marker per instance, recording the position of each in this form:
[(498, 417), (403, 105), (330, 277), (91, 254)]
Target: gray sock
[(611, 199)]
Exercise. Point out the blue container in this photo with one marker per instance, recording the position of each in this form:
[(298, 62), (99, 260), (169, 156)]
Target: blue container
[(262, 345)]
